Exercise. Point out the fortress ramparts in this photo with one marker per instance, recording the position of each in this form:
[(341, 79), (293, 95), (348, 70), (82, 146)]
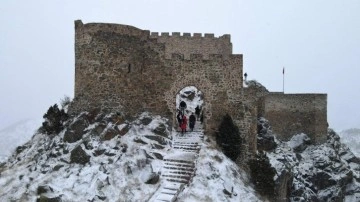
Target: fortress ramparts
[(126, 69)]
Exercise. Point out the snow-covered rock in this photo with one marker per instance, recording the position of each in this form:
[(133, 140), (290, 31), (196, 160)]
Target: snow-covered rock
[(326, 172)]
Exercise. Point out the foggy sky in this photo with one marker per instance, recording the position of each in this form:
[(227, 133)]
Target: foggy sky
[(318, 43)]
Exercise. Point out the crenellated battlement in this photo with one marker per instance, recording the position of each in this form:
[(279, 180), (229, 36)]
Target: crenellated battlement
[(189, 35), (176, 42)]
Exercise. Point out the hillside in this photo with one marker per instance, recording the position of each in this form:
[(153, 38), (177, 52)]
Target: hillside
[(111, 161), (110, 157), (16, 135)]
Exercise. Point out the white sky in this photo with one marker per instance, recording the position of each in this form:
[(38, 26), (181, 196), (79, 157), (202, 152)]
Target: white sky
[(318, 42)]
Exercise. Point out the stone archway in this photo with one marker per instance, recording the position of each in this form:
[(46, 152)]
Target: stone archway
[(201, 83)]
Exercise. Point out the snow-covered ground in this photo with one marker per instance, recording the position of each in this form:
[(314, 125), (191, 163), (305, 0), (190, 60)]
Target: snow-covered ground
[(15, 135), (118, 168), (217, 178)]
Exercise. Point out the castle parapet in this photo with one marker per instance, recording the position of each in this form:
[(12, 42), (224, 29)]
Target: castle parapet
[(90, 28), (187, 35), (207, 35)]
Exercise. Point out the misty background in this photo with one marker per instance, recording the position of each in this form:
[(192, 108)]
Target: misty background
[(318, 43)]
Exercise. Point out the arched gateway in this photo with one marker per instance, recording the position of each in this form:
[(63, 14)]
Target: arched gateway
[(123, 68)]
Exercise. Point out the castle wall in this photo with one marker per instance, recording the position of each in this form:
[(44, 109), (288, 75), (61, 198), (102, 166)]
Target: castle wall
[(129, 70), (122, 68), (216, 77), (114, 65), (197, 44), (290, 114)]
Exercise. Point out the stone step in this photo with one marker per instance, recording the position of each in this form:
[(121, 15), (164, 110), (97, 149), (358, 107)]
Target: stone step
[(186, 145), (177, 180), (176, 176), (186, 148), (184, 142), (165, 197), (169, 193), (189, 151), (179, 169), (179, 165), (179, 161), (173, 186), (185, 173)]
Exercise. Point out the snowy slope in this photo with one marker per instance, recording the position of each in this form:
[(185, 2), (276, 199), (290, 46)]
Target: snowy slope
[(16, 135), (217, 178), (120, 157), (351, 138)]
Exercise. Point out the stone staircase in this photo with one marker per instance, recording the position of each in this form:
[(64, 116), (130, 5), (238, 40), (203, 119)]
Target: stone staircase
[(179, 165)]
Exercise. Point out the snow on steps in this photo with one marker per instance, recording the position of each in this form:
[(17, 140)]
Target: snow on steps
[(178, 166)]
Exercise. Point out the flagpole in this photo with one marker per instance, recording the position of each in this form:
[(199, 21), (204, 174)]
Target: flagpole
[(284, 80)]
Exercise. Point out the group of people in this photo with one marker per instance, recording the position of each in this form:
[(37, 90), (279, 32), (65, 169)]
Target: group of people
[(182, 119)]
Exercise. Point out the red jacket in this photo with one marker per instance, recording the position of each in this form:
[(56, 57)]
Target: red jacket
[(184, 123)]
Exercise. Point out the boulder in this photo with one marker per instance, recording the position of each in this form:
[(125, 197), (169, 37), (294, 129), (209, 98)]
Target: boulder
[(124, 130), (161, 130), (139, 140), (71, 137), (153, 178), (322, 180), (158, 156), (79, 125), (146, 121), (110, 134), (19, 149), (57, 167), (99, 152), (78, 155), (76, 130), (156, 138), (43, 198), (299, 142), (99, 128), (44, 189)]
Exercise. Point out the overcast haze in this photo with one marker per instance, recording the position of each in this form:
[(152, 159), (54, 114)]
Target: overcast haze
[(318, 43)]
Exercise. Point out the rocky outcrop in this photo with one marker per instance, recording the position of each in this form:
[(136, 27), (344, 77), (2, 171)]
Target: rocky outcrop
[(76, 130), (326, 172), (78, 155), (306, 172), (265, 137)]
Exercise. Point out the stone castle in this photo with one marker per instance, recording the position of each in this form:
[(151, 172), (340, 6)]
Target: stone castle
[(126, 69)]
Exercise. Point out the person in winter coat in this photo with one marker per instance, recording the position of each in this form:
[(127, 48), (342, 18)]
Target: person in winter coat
[(192, 120), (179, 118), (183, 124), (197, 112)]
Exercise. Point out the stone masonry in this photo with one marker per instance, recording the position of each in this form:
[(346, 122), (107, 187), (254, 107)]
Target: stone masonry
[(129, 70)]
